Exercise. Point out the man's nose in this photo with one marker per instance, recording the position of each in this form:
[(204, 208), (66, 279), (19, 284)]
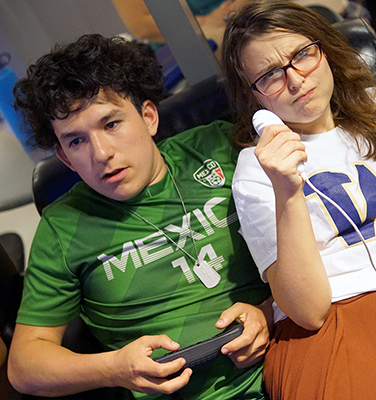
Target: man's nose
[(102, 149)]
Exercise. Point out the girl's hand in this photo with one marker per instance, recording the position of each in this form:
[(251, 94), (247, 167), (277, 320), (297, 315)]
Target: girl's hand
[(279, 151)]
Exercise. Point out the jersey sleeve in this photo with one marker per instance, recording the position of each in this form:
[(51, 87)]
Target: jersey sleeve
[(51, 294), (255, 205)]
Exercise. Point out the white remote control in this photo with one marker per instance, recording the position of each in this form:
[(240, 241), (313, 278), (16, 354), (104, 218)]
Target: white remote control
[(263, 118)]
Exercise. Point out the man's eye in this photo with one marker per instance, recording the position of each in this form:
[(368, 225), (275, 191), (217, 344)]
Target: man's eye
[(75, 142), (112, 124)]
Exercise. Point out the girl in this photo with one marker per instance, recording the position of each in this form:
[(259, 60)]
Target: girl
[(285, 58)]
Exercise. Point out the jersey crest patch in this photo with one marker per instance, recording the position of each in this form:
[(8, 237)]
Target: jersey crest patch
[(210, 174)]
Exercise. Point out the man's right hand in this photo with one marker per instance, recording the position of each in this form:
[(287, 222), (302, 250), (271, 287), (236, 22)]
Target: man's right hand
[(40, 366), (137, 371)]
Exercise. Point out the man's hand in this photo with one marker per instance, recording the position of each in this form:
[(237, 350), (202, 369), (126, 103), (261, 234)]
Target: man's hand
[(249, 348), (40, 366), (137, 371)]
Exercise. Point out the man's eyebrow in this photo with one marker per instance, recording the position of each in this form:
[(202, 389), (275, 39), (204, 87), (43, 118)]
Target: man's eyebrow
[(110, 115), (101, 121), (69, 135)]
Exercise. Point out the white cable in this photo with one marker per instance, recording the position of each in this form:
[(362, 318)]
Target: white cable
[(314, 188), (263, 118)]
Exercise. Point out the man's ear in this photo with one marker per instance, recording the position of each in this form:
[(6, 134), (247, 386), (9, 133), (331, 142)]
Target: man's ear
[(150, 116), (62, 157)]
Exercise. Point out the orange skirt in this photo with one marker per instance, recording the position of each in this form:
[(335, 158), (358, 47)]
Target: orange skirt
[(336, 362)]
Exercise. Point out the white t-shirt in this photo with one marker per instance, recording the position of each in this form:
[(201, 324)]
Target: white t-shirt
[(334, 167)]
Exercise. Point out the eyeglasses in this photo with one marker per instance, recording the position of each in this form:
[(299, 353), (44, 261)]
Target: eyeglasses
[(305, 60)]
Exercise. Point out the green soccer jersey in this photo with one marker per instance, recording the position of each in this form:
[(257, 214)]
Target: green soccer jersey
[(128, 267)]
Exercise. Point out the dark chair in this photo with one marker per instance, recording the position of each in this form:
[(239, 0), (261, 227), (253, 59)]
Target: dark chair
[(362, 37), (14, 246), (328, 13), (11, 281)]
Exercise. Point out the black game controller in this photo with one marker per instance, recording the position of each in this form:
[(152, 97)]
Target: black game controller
[(204, 351)]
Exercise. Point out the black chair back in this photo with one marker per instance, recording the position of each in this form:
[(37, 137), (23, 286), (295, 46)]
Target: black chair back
[(362, 37), (11, 281)]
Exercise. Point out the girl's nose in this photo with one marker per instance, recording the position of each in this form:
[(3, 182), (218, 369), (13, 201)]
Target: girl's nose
[(294, 79)]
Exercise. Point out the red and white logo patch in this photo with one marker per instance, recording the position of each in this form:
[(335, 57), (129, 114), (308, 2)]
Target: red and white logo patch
[(210, 174)]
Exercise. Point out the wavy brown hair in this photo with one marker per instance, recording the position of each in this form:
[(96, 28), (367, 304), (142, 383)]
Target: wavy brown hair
[(352, 107)]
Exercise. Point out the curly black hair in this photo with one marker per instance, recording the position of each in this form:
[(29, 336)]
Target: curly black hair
[(71, 73)]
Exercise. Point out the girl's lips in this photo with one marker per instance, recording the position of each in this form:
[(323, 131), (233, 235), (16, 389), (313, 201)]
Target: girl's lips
[(305, 96), (115, 176)]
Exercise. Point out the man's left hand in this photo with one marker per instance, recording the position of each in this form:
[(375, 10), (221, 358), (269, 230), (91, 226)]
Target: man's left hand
[(250, 347)]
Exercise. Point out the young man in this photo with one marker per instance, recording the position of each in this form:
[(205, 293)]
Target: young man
[(146, 249)]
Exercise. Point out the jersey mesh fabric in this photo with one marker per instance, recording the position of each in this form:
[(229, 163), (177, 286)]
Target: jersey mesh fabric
[(91, 256)]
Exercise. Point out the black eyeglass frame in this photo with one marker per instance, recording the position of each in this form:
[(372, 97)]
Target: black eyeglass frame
[(286, 67)]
